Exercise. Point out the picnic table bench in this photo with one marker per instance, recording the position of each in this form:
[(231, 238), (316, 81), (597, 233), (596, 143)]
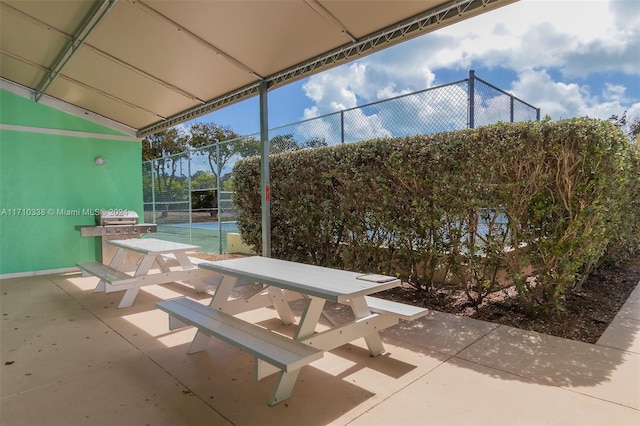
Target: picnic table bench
[(283, 353), (153, 253), (284, 281)]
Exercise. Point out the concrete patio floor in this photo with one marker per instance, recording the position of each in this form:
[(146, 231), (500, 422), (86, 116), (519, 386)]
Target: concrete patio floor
[(70, 357)]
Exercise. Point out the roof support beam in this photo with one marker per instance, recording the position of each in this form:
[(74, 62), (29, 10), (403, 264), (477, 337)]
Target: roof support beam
[(215, 104), (100, 52), (330, 18), (384, 38), (151, 11), (450, 12), (77, 83), (90, 23)]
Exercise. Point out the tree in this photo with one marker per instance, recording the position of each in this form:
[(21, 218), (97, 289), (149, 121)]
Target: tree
[(315, 143), (630, 127), (202, 180), (283, 143), (167, 149), (164, 144), (249, 147), (218, 144)]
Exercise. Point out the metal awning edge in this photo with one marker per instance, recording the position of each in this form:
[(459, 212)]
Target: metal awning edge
[(61, 105), (453, 11)]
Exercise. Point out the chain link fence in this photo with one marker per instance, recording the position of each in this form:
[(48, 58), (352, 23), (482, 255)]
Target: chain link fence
[(189, 194)]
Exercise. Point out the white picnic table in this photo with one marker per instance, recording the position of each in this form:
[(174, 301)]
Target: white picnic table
[(153, 254), (319, 284), (285, 281)]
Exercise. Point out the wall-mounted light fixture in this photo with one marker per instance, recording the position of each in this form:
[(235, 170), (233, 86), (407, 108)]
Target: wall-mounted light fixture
[(99, 160)]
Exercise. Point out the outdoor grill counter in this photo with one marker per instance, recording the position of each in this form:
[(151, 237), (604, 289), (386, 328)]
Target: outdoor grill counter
[(114, 225)]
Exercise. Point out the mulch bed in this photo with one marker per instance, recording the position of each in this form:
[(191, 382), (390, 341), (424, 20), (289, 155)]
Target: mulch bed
[(588, 312)]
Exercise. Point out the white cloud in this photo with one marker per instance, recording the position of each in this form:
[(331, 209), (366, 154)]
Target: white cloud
[(626, 14), (335, 90), (578, 37), (319, 129), (566, 100), (556, 99), (566, 56), (614, 92), (360, 126), (374, 78)]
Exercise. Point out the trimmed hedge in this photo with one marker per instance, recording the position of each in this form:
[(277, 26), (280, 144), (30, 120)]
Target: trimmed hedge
[(536, 205)]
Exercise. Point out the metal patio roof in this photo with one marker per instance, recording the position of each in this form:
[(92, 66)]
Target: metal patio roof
[(150, 64)]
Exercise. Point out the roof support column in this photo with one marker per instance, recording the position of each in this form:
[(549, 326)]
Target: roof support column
[(90, 23), (264, 171)]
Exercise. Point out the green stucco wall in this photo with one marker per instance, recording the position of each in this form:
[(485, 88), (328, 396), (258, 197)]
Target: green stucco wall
[(17, 110), (49, 184)]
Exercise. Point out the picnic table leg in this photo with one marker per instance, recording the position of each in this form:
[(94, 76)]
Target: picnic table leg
[(199, 343), (262, 369), (223, 292), (306, 328), (175, 323), (117, 262), (101, 287), (284, 386), (310, 318), (186, 264), (131, 293), (129, 297), (282, 307), (162, 264), (361, 309), (144, 266)]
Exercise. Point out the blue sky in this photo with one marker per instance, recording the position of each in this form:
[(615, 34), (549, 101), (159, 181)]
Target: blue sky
[(569, 58)]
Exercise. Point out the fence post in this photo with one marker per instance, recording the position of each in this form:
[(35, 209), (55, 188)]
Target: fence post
[(512, 116), (342, 126), (153, 190), (189, 191), (218, 188), (472, 100)]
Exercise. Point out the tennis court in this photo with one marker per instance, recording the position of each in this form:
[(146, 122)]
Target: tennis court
[(211, 236)]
